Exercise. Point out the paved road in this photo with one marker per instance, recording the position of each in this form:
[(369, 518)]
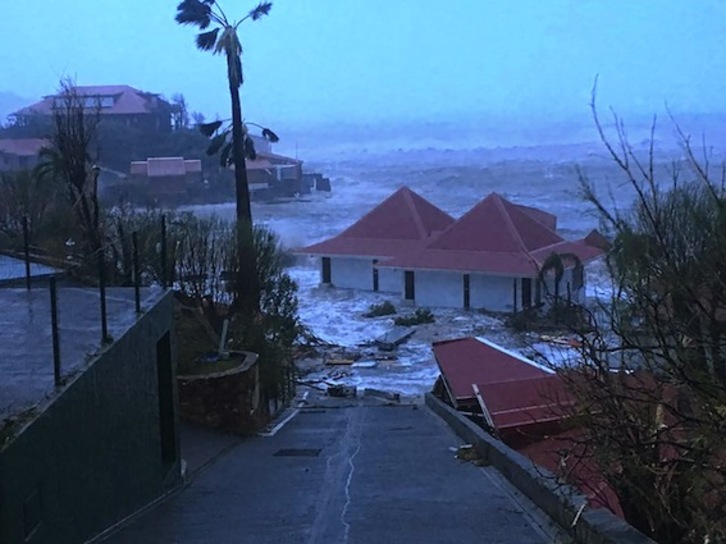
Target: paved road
[(361, 474)]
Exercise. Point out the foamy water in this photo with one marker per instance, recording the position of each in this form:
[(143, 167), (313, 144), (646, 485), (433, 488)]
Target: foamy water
[(455, 180)]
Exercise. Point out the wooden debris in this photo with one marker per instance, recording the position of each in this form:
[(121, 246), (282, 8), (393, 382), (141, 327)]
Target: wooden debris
[(394, 338)]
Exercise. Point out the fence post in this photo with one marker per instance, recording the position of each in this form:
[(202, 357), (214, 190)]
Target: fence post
[(102, 294), (54, 331), (164, 272), (137, 272), (26, 251)]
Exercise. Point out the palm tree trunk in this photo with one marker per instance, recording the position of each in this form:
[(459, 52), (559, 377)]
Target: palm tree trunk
[(244, 211), (246, 292)]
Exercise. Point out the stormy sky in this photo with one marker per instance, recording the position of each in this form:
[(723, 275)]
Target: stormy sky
[(318, 61)]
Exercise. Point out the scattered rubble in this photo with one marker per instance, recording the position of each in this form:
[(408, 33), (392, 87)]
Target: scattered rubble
[(394, 337), (470, 454)]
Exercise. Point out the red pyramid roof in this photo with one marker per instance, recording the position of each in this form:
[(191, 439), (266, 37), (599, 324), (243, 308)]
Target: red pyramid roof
[(497, 225), (495, 236), (397, 225)]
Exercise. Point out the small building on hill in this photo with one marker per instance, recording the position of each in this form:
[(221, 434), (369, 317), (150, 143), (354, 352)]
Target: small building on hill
[(165, 179), (20, 154), (271, 175), (398, 225)]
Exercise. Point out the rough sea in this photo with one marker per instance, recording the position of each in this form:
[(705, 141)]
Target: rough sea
[(454, 169)]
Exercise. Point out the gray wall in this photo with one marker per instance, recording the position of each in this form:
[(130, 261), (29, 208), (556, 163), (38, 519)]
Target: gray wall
[(390, 280), (439, 289), (351, 273), (93, 456)]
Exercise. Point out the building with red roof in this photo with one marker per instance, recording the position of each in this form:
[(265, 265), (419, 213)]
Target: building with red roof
[(121, 102), (398, 225), (20, 154), (162, 179), (491, 258), (270, 173)]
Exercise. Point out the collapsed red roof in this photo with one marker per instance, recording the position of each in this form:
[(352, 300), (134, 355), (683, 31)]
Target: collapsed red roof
[(464, 362), (518, 403), (400, 223)]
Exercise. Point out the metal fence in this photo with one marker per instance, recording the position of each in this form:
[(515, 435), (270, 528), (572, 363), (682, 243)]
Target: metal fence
[(56, 274), (61, 304)]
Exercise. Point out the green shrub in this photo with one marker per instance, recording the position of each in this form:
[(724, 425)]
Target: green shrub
[(419, 317), (378, 310)]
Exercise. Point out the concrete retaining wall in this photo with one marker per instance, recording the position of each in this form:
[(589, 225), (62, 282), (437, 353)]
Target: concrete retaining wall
[(101, 449), (594, 526)]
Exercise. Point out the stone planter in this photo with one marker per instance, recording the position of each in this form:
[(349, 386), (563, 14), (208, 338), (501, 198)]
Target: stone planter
[(228, 400)]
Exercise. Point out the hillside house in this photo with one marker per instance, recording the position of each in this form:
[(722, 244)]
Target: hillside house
[(491, 259), (165, 179), (398, 225), (147, 111), (20, 154), (271, 175)]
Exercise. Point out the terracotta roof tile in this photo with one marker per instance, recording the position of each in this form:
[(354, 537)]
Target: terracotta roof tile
[(494, 237), (400, 223), (518, 403), (467, 361)]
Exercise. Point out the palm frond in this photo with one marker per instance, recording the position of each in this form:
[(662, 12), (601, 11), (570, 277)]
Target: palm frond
[(262, 9), (270, 136), (217, 143), (250, 151), (193, 12), (224, 157), (207, 40), (209, 128)]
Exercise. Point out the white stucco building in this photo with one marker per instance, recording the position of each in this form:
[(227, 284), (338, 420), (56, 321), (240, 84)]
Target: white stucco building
[(398, 225), (491, 258)]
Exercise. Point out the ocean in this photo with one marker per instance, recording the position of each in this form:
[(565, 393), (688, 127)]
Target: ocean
[(454, 170)]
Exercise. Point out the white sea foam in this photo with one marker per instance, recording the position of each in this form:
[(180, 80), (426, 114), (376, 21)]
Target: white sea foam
[(454, 180)]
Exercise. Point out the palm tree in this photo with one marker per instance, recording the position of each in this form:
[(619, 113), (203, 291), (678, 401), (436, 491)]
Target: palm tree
[(223, 39), (555, 262)]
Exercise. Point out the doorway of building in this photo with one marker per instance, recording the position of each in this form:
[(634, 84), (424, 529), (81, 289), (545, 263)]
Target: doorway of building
[(526, 292), (409, 285)]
